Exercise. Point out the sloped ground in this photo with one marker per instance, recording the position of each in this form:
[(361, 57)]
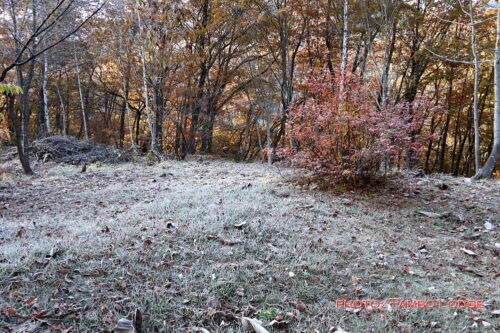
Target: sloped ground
[(198, 244)]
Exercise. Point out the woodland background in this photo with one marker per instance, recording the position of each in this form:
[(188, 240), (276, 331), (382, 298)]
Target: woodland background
[(218, 76)]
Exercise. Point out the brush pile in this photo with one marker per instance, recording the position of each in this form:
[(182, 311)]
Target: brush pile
[(65, 149)]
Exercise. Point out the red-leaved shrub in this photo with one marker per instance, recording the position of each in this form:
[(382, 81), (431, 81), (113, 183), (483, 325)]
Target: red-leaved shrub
[(345, 137)]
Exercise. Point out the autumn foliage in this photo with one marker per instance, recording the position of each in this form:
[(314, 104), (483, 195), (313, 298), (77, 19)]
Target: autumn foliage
[(347, 136)]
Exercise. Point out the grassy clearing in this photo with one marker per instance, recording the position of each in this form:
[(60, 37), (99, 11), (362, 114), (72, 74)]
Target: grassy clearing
[(197, 244)]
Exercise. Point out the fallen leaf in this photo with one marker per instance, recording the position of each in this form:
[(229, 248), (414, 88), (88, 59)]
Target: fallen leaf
[(472, 237), (252, 325), (131, 324), (200, 329), (489, 226), (469, 252), (20, 233), (30, 301), (340, 330), (468, 269), (240, 225), (433, 215), (486, 324), (41, 314), (300, 307), (278, 323), (52, 254), (230, 242), (10, 312)]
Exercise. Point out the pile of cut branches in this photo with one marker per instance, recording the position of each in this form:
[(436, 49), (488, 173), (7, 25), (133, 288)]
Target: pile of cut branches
[(65, 149)]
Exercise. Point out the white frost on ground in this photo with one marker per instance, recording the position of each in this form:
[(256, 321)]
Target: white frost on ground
[(181, 238)]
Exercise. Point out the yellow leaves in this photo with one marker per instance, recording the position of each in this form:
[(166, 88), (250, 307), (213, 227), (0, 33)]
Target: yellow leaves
[(10, 89)]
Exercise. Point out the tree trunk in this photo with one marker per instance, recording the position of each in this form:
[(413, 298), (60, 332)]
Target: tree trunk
[(245, 146), (429, 146), (477, 147), (328, 41), (82, 103), (122, 125), (442, 152), (208, 130), (461, 147), (196, 109), (487, 170), (268, 137), (23, 154), (345, 37), (384, 86), (126, 88), (40, 116), (151, 122), (45, 79), (64, 111), (25, 83), (158, 119), (137, 127)]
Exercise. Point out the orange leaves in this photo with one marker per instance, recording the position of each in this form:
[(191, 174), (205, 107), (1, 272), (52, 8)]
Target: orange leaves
[(9, 312)]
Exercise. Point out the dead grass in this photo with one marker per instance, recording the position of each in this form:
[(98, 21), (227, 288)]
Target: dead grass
[(196, 244)]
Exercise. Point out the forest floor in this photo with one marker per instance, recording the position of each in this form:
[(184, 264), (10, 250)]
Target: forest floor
[(201, 243)]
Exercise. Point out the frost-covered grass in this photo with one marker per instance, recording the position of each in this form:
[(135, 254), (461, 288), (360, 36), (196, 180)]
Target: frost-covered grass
[(196, 244)]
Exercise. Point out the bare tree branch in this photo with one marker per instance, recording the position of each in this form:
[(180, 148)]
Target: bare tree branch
[(40, 30)]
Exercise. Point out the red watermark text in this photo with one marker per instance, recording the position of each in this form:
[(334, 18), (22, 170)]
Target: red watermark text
[(397, 303)]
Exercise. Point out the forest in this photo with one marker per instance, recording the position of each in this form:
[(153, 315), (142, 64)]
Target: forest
[(224, 77), (249, 165)]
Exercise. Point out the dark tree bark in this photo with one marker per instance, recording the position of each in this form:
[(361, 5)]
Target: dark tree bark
[(208, 131), (444, 138), (13, 119), (195, 115), (429, 146), (137, 124), (122, 124), (40, 117), (159, 113)]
